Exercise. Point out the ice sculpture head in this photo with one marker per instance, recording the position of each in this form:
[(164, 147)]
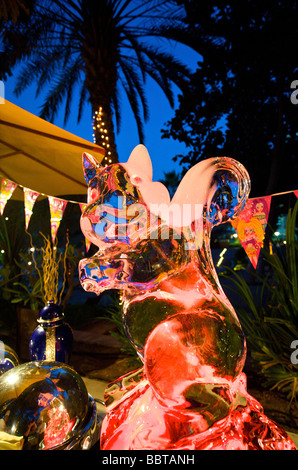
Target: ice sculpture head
[(126, 206)]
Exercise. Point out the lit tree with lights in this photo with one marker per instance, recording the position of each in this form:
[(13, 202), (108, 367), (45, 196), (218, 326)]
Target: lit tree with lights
[(100, 47)]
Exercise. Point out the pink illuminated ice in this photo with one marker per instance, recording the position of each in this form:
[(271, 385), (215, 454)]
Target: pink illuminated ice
[(191, 391)]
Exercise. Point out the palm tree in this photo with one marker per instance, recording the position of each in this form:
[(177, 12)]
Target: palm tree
[(99, 46)]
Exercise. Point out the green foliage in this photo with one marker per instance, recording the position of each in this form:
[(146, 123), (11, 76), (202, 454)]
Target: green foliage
[(12, 241), (114, 314), (30, 297), (270, 315), (27, 291), (21, 280), (238, 100), (12, 244)]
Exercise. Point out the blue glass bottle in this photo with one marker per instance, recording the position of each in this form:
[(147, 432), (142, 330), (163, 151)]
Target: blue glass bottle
[(52, 340)]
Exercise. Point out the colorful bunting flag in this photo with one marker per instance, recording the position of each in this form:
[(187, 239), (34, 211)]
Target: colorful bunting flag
[(82, 206), (7, 188), (251, 225), (29, 201), (87, 242), (57, 208)]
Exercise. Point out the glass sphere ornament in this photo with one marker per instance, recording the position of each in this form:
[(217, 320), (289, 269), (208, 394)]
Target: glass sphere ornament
[(45, 405), (52, 340), (8, 358)]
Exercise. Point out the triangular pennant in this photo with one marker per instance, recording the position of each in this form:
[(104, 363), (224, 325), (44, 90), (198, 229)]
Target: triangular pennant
[(296, 193), (7, 188), (57, 208), (82, 206), (87, 242), (30, 197), (251, 225)]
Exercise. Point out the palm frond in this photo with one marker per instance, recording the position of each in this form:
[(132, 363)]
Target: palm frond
[(134, 103), (62, 88), (168, 66), (82, 102), (110, 42), (132, 77), (41, 68), (73, 75)]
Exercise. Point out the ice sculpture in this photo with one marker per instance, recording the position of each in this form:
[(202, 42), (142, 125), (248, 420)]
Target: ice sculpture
[(191, 391)]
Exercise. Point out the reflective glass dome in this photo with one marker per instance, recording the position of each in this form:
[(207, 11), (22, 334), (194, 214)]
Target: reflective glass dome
[(43, 405)]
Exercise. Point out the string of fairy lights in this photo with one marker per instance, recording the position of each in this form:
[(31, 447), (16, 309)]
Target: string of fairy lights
[(99, 128)]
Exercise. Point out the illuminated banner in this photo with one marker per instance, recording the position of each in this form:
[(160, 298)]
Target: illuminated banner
[(7, 188), (57, 208), (29, 201), (251, 226)]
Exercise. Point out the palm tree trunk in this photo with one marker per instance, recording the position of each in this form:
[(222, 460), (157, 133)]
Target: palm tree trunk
[(103, 132)]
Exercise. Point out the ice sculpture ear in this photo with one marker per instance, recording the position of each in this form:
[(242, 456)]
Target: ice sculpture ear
[(90, 166), (139, 170), (139, 165), (231, 184)]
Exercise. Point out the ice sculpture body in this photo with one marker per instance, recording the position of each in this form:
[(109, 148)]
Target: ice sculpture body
[(191, 391)]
